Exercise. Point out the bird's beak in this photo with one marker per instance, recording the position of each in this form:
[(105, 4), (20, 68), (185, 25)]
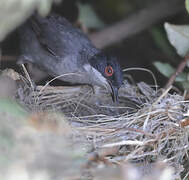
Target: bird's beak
[(114, 92)]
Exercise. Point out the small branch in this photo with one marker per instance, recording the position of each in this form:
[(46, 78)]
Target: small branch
[(9, 58), (0, 55), (137, 22), (179, 69)]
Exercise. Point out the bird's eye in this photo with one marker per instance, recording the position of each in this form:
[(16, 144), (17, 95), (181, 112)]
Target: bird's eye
[(109, 71)]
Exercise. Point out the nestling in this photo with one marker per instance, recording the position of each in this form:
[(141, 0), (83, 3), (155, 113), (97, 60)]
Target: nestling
[(58, 48)]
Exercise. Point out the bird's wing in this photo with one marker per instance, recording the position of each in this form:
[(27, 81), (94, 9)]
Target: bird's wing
[(58, 36)]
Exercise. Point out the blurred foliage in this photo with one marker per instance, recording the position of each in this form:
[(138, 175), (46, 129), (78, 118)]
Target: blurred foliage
[(38, 141), (88, 16), (167, 70), (178, 36), (12, 108), (161, 41), (187, 5), (14, 12), (12, 117), (111, 10)]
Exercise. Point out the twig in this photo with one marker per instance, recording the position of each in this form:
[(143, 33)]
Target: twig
[(125, 142), (162, 95), (179, 69), (137, 22), (0, 55), (9, 58)]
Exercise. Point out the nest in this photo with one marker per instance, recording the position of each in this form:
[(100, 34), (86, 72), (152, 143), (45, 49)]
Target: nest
[(145, 126)]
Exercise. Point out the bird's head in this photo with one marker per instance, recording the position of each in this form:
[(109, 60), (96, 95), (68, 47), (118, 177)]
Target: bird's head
[(106, 71)]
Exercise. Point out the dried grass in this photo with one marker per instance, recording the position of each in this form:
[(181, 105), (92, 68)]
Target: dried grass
[(146, 126)]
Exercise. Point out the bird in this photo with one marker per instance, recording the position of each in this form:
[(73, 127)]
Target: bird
[(55, 46)]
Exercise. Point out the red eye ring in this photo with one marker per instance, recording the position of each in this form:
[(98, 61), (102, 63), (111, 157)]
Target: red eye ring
[(109, 71)]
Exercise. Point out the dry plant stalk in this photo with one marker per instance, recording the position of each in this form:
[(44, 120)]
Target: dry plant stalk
[(146, 125)]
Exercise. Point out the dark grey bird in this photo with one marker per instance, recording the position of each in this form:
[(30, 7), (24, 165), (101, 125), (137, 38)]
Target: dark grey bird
[(58, 48)]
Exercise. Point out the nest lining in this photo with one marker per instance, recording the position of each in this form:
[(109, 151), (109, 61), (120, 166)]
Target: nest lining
[(146, 125)]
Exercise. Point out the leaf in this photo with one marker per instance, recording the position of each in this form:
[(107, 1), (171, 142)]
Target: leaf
[(162, 43), (44, 7), (15, 12), (178, 36), (88, 16), (185, 85), (167, 70), (12, 108), (187, 5)]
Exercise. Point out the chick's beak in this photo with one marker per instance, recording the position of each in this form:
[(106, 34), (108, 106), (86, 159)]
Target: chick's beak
[(114, 93)]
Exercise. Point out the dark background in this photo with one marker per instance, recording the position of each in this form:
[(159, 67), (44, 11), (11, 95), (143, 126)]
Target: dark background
[(141, 49)]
